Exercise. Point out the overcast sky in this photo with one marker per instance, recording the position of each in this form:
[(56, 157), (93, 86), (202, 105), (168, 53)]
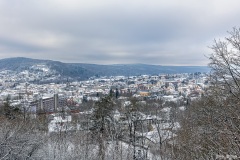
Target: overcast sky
[(165, 32)]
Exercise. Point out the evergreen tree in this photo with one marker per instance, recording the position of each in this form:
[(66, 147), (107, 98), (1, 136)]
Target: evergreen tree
[(102, 123), (117, 93), (9, 111), (111, 93)]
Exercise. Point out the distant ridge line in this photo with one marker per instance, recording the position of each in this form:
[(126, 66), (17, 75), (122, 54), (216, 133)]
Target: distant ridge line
[(84, 70)]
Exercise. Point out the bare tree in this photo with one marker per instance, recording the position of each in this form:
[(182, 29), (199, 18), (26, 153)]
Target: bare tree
[(19, 139), (211, 128), (225, 63)]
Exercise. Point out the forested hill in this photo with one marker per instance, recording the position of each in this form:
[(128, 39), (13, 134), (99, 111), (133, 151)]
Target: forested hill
[(84, 71)]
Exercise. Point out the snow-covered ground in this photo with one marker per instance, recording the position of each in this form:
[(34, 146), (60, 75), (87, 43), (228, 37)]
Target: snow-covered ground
[(60, 123)]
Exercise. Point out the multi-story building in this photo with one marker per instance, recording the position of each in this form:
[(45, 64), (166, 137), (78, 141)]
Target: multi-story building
[(48, 105)]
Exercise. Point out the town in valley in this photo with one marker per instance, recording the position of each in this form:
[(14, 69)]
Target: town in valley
[(145, 109)]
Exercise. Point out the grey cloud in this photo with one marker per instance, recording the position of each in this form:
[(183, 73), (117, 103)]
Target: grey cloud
[(17, 46), (155, 32)]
